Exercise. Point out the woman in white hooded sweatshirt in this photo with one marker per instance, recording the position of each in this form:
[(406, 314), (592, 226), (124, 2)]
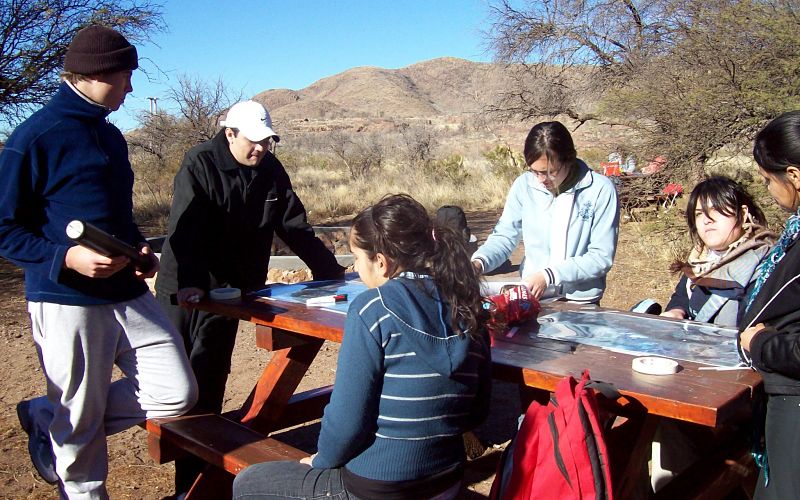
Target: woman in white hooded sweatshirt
[(566, 215)]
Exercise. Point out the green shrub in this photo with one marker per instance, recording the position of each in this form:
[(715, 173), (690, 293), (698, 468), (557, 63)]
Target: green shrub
[(505, 163), (450, 168), (776, 216)]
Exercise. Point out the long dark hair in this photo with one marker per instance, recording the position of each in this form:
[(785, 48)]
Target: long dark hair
[(777, 146), (553, 141), (400, 228), (724, 195)]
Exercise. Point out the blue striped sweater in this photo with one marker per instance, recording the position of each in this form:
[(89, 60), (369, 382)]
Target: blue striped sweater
[(407, 386)]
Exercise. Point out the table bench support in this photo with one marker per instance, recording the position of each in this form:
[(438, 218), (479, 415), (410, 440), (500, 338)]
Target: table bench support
[(277, 384)]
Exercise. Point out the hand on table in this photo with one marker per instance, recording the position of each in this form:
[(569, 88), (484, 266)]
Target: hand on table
[(746, 337), (92, 264), (674, 313), (188, 297), (537, 284)]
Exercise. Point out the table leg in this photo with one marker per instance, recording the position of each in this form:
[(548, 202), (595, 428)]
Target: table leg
[(212, 484), (629, 464), (277, 383), (726, 469)]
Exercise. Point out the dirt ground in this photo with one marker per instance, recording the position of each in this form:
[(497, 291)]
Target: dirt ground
[(133, 475)]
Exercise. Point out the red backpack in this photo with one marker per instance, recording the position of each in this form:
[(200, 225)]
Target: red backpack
[(559, 451)]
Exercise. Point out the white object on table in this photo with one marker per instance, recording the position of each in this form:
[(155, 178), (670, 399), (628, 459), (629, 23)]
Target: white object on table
[(654, 365)]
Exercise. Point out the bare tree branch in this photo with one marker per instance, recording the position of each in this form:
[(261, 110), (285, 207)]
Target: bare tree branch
[(361, 156), (201, 104), (691, 76), (34, 36), (162, 139)]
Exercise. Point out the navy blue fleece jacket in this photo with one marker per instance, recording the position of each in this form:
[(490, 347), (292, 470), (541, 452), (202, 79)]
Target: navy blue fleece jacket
[(66, 162)]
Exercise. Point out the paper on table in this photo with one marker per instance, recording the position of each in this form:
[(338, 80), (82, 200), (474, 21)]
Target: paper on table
[(326, 299), (642, 335), (300, 292)]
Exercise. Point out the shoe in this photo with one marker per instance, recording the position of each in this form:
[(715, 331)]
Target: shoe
[(647, 306), (473, 446), (39, 446)]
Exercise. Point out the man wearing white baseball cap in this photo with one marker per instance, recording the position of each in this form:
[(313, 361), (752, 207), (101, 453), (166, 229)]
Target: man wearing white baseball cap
[(252, 119), (248, 129), (231, 196)]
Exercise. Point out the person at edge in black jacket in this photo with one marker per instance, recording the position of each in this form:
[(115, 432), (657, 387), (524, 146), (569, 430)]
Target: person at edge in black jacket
[(231, 195), (770, 329)]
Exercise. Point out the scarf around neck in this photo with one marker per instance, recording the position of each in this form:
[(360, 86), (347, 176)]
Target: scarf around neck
[(703, 261), (789, 236)]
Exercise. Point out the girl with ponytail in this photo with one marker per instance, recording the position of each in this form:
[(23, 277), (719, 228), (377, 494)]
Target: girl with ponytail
[(397, 230), (413, 371)]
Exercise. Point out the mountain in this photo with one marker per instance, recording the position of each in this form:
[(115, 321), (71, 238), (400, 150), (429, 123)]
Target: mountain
[(439, 87), (448, 95)]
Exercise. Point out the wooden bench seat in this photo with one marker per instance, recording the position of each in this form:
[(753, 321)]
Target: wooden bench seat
[(227, 445), (217, 440)]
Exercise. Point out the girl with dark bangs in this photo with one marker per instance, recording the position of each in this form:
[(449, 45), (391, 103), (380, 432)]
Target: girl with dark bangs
[(729, 240)]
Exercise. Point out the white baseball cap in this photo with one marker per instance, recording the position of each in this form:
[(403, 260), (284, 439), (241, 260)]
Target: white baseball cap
[(252, 120)]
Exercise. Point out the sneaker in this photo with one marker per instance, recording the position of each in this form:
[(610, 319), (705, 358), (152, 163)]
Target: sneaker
[(473, 446), (39, 446)]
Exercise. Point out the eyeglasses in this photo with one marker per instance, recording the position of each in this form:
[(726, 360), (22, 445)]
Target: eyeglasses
[(551, 174)]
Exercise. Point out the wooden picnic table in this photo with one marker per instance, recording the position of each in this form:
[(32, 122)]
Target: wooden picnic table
[(706, 398), (295, 333)]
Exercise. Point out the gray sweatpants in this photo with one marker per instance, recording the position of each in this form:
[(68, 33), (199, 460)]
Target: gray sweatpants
[(78, 347)]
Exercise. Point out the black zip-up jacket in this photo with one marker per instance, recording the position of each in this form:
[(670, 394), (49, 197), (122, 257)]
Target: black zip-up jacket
[(775, 351), (223, 219)]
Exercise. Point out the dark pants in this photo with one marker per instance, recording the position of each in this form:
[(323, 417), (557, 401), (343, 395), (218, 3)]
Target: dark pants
[(293, 480), (209, 340), (783, 449)]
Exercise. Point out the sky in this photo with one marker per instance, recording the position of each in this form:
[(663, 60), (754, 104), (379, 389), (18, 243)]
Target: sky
[(259, 45)]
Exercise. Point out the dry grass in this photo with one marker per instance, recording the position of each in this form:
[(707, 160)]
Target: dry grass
[(151, 207), (329, 193), (641, 266)]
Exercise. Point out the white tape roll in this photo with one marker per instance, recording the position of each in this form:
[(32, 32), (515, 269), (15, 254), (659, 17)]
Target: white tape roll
[(653, 365), (225, 293)]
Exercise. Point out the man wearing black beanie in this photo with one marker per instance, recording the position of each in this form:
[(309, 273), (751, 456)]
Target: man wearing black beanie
[(88, 311)]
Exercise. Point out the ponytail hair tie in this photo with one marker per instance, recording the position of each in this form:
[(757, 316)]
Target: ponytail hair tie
[(433, 234)]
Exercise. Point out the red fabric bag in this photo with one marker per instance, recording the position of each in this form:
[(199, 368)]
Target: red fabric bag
[(559, 452)]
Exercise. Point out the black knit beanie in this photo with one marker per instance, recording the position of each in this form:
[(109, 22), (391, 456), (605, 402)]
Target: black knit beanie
[(97, 49)]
